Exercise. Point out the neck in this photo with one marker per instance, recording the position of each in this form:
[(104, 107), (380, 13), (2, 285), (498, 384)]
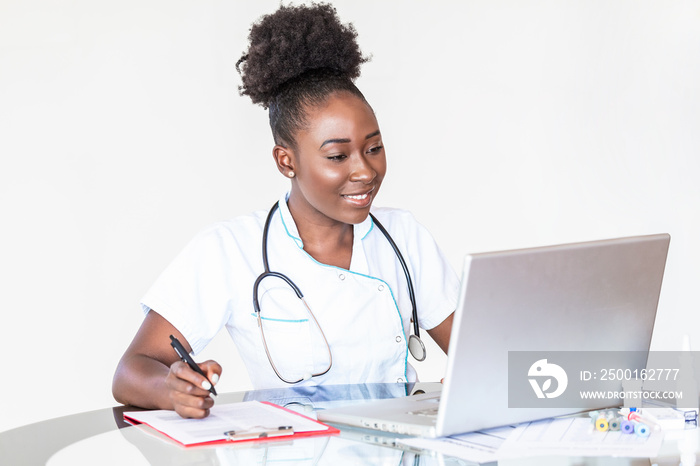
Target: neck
[(326, 240)]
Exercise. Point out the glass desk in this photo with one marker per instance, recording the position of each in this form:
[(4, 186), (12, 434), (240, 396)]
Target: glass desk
[(102, 437)]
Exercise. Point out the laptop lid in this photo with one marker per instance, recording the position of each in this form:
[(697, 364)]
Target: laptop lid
[(593, 296)]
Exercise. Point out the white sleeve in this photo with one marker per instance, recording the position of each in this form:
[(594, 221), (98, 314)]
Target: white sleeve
[(193, 292)]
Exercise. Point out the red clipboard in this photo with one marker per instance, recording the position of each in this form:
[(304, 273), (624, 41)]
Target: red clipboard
[(250, 421)]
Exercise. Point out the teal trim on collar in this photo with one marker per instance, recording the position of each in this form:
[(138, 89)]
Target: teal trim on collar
[(371, 227), (288, 222), (363, 229)]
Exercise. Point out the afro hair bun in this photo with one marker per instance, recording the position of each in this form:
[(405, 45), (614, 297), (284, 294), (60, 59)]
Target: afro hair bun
[(292, 41)]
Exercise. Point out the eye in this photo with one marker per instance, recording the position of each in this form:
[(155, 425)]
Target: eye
[(337, 158), (375, 149)]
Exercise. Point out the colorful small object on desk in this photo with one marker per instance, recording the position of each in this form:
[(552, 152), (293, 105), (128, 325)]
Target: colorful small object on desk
[(642, 429), (614, 422), (595, 417), (627, 427), (601, 424), (634, 416)]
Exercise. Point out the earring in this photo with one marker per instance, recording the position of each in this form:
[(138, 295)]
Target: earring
[(291, 174)]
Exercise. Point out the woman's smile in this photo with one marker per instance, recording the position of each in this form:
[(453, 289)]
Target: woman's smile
[(360, 200)]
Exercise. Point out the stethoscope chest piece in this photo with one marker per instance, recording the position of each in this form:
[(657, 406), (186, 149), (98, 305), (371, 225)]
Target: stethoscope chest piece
[(416, 347)]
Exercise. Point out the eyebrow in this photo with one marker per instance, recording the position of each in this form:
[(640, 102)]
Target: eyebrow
[(346, 140)]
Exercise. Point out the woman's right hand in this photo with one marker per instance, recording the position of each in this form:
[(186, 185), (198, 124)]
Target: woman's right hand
[(189, 391), (151, 375)]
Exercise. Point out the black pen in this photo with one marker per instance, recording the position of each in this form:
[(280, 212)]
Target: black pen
[(182, 352)]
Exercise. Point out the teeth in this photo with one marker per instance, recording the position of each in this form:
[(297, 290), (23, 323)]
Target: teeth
[(358, 197)]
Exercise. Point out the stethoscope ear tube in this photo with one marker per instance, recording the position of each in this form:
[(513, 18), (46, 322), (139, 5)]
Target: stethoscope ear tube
[(266, 265), (262, 276), (409, 281)]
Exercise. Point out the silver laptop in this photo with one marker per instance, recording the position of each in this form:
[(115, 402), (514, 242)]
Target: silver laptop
[(594, 296)]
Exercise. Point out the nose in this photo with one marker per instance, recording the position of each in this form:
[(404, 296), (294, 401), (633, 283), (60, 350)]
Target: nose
[(362, 170)]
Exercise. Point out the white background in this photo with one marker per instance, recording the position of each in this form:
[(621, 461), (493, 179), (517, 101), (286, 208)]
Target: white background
[(507, 124)]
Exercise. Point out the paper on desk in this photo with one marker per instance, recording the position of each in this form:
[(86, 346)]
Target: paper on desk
[(565, 436), (244, 416), (479, 447), (575, 436)]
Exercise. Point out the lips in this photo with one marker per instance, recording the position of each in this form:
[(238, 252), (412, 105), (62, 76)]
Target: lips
[(359, 199)]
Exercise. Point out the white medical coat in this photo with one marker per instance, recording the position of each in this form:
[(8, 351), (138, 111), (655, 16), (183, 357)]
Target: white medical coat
[(364, 312)]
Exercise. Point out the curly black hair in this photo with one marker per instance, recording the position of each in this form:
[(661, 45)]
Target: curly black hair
[(297, 57)]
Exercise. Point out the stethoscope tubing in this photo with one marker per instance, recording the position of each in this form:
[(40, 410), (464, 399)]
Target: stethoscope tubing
[(409, 280), (267, 273)]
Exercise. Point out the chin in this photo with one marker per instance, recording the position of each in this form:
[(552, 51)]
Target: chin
[(356, 218)]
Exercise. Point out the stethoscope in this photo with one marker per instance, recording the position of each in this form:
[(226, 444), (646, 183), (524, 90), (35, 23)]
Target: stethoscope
[(415, 344)]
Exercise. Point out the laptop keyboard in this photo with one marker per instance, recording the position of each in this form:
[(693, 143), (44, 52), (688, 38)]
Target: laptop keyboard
[(432, 411)]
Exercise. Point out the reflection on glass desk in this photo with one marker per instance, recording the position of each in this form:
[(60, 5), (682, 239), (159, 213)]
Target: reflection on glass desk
[(102, 437)]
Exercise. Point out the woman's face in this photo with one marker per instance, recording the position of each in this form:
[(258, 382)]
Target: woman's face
[(339, 162)]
